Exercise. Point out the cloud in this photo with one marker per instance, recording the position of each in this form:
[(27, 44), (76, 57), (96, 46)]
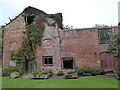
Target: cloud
[(77, 13)]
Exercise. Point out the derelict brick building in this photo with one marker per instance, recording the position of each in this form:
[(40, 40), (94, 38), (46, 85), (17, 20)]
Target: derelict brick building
[(61, 49)]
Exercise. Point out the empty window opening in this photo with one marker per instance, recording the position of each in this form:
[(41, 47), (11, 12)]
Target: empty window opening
[(68, 63), (29, 19), (48, 60), (105, 36)]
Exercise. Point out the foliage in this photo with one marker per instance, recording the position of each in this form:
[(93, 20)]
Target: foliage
[(8, 71), (104, 36), (114, 46), (43, 72), (68, 27), (60, 73), (35, 73), (87, 71), (79, 71), (27, 51), (58, 18), (118, 74), (50, 72)]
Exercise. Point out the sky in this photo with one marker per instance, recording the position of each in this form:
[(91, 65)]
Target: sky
[(76, 13)]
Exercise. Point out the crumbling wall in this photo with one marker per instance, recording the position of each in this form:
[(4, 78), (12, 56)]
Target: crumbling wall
[(50, 47), (81, 44), (15, 32)]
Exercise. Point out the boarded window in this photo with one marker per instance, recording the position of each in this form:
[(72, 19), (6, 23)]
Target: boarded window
[(12, 45), (12, 63), (68, 63), (47, 60), (104, 35)]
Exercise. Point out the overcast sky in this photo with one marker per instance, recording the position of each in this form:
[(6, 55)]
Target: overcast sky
[(76, 13)]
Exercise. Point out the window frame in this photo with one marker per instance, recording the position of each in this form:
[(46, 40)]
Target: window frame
[(106, 30), (44, 57), (73, 59)]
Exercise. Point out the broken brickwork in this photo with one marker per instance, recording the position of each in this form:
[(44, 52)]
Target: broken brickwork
[(61, 49)]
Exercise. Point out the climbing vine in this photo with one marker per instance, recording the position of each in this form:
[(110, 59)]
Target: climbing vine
[(27, 51)]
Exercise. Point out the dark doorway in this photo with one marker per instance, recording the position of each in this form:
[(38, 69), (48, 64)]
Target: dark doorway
[(30, 66), (107, 61), (68, 63)]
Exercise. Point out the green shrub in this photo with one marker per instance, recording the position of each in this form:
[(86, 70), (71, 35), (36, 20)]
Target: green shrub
[(44, 72), (86, 74), (35, 73), (60, 73), (8, 71), (79, 71), (50, 72), (87, 71), (100, 71)]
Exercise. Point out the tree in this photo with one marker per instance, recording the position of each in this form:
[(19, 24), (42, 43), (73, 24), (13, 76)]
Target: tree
[(114, 48)]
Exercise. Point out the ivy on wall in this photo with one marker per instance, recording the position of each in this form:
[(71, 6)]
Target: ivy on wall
[(27, 51)]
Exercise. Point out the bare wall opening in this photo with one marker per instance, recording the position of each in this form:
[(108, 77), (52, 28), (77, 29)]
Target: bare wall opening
[(68, 63), (29, 19)]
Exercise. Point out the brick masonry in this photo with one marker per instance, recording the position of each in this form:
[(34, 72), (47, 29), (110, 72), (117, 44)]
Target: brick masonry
[(81, 44)]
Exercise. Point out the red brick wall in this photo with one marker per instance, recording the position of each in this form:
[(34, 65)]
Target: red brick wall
[(13, 32), (50, 47), (83, 45)]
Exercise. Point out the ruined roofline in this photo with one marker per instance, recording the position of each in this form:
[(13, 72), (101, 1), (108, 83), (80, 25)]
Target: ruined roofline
[(23, 12), (92, 28), (40, 11)]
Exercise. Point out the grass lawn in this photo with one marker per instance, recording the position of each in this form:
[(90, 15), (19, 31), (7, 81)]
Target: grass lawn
[(87, 82)]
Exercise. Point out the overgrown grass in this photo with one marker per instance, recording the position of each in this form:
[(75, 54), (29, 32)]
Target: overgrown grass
[(87, 82)]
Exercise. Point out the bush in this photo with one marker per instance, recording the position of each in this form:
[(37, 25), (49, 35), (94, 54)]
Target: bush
[(8, 71), (60, 73), (35, 73), (79, 71), (100, 72), (44, 72), (50, 72), (86, 71)]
